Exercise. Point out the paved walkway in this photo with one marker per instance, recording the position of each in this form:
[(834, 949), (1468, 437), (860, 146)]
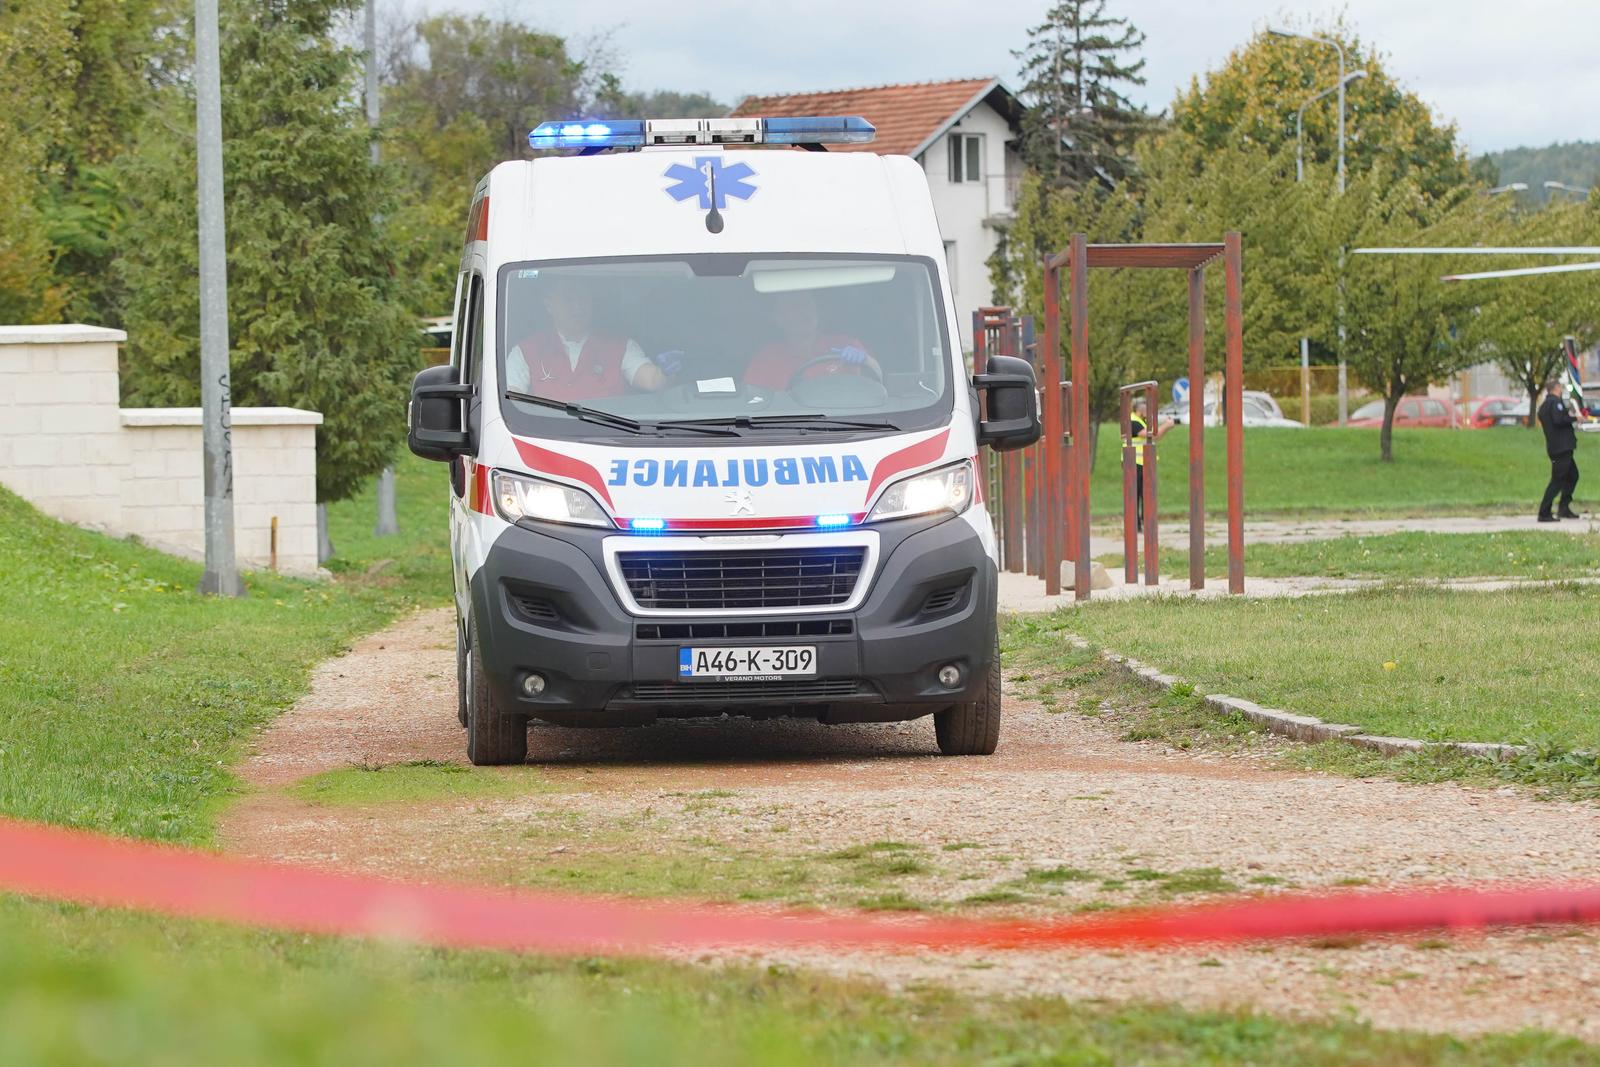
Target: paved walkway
[(1106, 539)]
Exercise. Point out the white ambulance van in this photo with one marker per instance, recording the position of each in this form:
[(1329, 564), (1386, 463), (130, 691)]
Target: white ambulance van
[(713, 445)]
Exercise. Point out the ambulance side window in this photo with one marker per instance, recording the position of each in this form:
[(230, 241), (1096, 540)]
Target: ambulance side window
[(458, 326), (475, 339)]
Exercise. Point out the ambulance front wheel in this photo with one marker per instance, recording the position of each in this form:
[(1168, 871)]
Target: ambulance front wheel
[(493, 737), (973, 728)]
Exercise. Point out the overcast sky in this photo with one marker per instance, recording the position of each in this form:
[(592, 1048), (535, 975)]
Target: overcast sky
[(1508, 72)]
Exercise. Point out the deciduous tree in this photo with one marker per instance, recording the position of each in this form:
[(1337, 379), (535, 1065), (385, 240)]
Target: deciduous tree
[(318, 314)]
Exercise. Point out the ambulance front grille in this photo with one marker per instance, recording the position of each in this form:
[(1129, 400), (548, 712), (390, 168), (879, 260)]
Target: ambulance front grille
[(758, 578)]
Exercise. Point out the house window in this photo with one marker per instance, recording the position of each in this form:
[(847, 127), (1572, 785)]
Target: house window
[(950, 263), (966, 157)]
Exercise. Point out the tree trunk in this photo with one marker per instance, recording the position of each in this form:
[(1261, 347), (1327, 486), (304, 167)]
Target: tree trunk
[(1533, 403), (324, 543), (1386, 434), (388, 525)]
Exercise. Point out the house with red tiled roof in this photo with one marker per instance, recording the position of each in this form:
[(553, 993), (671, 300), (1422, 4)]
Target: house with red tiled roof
[(966, 134)]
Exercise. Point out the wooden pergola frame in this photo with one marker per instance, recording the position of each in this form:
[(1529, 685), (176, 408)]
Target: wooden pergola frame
[(1067, 457)]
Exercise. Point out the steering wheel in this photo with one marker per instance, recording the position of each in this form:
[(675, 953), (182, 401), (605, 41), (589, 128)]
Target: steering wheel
[(875, 373)]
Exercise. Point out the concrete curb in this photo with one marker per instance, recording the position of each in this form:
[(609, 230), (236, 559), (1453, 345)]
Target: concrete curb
[(1302, 727)]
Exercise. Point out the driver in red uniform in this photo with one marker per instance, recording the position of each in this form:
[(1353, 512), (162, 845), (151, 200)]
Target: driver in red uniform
[(775, 366), (570, 361)]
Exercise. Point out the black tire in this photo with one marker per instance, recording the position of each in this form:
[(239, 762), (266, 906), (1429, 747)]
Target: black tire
[(461, 674), (493, 737), (973, 728)]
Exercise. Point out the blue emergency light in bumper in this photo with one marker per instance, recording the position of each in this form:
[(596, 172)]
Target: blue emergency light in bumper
[(637, 133), (543, 604)]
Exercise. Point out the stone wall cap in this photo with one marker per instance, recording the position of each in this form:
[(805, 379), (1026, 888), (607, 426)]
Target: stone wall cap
[(60, 334), (241, 417)]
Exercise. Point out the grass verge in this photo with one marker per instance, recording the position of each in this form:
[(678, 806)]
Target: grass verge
[(82, 986), (1411, 555), (1402, 660), (1327, 469), (1065, 678)]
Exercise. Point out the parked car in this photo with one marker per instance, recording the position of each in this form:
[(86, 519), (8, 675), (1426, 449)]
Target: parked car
[(1413, 412), (1483, 412), (1260, 409), (1513, 414)]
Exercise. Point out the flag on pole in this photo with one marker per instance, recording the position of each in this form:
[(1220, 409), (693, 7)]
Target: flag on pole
[(1574, 380)]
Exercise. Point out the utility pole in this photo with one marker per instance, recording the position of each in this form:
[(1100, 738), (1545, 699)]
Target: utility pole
[(221, 575), (388, 524)]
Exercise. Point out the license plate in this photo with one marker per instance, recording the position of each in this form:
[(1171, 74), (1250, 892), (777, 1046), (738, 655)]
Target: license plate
[(747, 662)]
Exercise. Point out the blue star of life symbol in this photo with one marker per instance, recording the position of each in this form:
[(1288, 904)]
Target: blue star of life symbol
[(697, 181)]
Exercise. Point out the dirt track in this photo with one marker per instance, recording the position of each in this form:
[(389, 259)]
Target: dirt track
[(798, 811)]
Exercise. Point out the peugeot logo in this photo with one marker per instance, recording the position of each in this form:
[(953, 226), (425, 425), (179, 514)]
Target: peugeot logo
[(742, 504)]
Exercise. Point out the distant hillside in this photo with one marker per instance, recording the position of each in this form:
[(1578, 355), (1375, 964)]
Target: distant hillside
[(1577, 163)]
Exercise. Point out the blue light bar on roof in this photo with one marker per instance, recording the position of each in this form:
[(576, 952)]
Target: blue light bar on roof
[(819, 129), (637, 133), (577, 133)]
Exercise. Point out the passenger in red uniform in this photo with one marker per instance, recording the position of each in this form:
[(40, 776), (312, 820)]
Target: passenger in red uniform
[(800, 342), (569, 361)]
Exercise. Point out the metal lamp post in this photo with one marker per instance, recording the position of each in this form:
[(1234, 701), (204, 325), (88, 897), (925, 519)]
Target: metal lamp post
[(1344, 389), (1513, 187), (1299, 176), (1564, 187)]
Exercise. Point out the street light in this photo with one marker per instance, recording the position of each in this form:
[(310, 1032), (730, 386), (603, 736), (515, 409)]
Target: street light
[(1564, 187), (1514, 187), (1344, 389), (1299, 176), (1336, 46), (1300, 126)]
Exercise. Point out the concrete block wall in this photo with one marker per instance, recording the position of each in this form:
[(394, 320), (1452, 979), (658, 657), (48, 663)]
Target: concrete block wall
[(67, 446)]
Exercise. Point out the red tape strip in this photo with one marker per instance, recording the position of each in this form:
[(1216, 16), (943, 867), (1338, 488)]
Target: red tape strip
[(87, 868)]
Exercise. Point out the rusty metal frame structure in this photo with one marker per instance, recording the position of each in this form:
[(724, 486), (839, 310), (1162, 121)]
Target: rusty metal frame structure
[(1067, 458)]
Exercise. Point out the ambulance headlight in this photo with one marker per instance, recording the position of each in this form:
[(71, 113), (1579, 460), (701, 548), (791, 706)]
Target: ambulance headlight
[(517, 497), (945, 489)]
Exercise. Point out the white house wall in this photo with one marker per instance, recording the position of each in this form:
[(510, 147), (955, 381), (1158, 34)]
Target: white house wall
[(964, 207)]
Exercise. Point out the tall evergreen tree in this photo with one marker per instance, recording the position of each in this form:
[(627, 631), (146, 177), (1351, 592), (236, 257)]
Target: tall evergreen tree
[(1080, 125), (317, 313)]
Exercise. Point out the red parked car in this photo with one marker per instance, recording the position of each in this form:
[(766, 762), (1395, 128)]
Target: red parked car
[(1485, 412), (1414, 411)]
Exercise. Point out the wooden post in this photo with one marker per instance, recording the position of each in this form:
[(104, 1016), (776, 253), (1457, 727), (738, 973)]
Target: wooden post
[(1130, 535), (1053, 474), (1197, 428), (1233, 391), (1152, 545), (1083, 434)]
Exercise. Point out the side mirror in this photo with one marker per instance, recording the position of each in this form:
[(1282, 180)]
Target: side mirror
[(1011, 404), (433, 419)]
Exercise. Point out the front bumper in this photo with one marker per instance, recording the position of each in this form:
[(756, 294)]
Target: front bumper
[(543, 603)]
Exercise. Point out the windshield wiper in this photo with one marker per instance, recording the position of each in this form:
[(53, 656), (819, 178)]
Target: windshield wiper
[(804, 422), (611, 418)]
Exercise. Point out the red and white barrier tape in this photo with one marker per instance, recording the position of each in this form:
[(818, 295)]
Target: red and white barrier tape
[(87, 868)]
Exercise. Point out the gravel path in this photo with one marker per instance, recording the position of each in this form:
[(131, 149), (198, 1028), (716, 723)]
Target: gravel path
[(1062, 793)]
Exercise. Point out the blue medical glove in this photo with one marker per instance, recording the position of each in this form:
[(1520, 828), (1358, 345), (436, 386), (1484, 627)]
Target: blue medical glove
[(670, 362), (853, 355)]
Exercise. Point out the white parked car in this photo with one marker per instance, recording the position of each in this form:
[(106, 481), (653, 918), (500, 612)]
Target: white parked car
[(1260, 409)]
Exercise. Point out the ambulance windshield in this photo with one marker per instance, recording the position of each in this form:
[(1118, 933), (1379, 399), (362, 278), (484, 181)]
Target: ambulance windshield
[(850, 343)]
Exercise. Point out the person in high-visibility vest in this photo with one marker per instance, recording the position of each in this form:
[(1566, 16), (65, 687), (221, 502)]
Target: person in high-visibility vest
[(1138, 427)]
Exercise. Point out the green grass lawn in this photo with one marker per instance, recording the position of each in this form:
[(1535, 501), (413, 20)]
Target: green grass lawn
[(1326, 469), (1508, 554), (82, 986), (124, 700), (1505, 666)]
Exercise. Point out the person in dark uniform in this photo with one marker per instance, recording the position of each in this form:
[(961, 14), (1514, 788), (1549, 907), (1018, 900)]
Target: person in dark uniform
[(1560, 442)]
